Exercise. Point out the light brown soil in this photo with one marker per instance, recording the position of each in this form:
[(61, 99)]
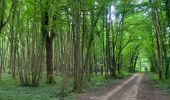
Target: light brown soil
[(136, 87)]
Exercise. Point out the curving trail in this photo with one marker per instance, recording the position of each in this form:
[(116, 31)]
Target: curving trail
[(136, 87)]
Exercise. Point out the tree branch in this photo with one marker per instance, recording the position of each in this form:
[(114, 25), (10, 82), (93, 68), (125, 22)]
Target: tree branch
[(129, 41), (12, 5)]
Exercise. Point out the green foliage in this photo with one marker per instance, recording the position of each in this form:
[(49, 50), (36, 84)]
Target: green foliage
[(123, 74), (103, 44)]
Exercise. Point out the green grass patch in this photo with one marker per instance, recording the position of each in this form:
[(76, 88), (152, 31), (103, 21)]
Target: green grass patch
[(123, 74), (100, 81), (163, 85), (10, 89)]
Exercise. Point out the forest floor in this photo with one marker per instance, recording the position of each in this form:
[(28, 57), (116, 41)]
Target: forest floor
[(137, 87)]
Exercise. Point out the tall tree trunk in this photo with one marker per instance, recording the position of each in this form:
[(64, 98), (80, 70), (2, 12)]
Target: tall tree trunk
[(77, 66), (107, 44), (157, 26), (48, 37)]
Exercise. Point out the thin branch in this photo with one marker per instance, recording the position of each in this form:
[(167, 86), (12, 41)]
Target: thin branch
[(12, 5), (129, 41)]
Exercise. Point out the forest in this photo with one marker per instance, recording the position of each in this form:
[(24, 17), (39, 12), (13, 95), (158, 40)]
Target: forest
[(67, 49)]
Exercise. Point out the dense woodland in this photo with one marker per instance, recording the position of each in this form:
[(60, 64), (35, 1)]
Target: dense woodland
[(80, 39)]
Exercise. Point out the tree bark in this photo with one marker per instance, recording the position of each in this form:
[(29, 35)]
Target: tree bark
[(167, 4), (77, 57), (48, 37), (157, 26), (108, 44)]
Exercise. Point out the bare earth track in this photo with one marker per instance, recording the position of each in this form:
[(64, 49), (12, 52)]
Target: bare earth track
[(136, 87)]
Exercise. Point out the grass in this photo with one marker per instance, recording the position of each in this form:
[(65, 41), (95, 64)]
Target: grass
[(99, 81), (123, 74), (163, 85), (10, 88)]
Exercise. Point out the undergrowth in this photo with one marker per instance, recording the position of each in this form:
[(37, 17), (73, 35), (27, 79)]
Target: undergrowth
[(163, 84), (10, 88)]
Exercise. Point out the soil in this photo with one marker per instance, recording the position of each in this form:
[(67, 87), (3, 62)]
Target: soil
[(136, 87)]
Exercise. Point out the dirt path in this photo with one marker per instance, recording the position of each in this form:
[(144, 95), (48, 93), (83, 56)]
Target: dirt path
[(136, 87)]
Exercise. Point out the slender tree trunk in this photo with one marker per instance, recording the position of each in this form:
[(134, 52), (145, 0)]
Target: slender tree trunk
[(167, 69), (157, 26), (77, 66), (108, 65), (135, 62)]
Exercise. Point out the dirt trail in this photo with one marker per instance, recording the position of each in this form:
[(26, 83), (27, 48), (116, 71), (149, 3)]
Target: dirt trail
[(136, 87)]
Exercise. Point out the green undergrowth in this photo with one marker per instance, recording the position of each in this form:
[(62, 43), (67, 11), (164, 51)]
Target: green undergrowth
[(163, 85), (10, 89), (100, 81), (123, 74)]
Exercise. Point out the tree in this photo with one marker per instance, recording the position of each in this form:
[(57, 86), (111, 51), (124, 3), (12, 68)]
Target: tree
[(48, 38), (157, 27)]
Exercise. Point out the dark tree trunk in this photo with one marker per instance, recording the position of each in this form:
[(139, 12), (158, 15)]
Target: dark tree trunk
[(107, 46), (136, 58), (167, 68), (48, 38), (49, 57), (167, 3)]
